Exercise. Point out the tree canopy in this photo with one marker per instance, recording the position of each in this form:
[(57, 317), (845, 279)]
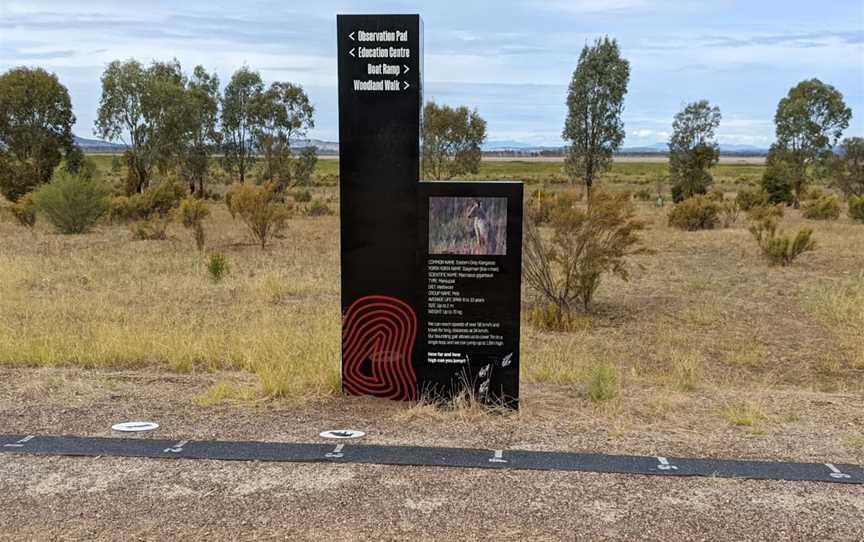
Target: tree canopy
[(594, 129), (693, 149), (809, 122), (147, 109), (452, 140), (35, 129), (282, 113), (238, 120), (202, 92), (847, 167)]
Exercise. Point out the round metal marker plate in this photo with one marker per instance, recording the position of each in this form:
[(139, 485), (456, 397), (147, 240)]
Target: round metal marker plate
[(342, 434), (134, 427)]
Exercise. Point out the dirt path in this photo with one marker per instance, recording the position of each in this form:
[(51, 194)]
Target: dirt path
[(111, 499), (54, 498)]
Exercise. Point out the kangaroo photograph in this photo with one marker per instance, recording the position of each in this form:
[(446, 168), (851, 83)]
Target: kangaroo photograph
[(468, 225)]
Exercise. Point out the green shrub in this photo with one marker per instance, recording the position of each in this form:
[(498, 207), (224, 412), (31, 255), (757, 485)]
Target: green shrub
[(24, 211), (260, 208), (748, 199), (71, 203), (603, 383), (644, 195), (824, 208), (18, 178), (191, 213), (217, 266), (302, 196), (778, 248), (695, 213), (319, 208), (776, 181), (856, 208)]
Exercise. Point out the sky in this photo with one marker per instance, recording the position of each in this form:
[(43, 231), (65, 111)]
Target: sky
[(511, 60)]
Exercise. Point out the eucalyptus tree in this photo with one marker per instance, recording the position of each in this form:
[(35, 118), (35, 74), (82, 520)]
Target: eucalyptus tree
[(203, 136), (282, 114), (809, 122), (146, 109), (452, 140), (36, 122), (693, 149), (239, 101), (594, 129)]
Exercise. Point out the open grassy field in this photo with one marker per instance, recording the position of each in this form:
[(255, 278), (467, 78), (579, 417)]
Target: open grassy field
[(633, 170), (706, 336)]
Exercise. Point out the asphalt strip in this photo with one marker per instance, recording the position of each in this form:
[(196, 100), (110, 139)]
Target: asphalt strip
[(343, 452)]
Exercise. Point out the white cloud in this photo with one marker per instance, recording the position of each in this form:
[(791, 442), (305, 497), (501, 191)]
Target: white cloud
[(590, 6)]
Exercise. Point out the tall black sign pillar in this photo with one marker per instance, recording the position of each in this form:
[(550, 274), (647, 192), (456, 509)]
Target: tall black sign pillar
[(380, 101)]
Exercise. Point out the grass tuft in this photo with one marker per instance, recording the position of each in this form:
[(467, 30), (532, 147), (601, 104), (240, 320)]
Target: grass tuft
[(741, 414), (603, 383)]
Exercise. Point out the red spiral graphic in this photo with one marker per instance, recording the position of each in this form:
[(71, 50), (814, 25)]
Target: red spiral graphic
[(378, 335)]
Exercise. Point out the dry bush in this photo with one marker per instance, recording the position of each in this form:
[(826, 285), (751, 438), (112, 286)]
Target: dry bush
[(544, 204), (318, 208), (302, 196), (696, 213), (856, 208), (191, 213), (259, 207), (765, 212), (822, 208), (729, 213), (585, 244), (156, 202), (549, 317), (778, 248), (24, 211), (748, 199), (154, 229)]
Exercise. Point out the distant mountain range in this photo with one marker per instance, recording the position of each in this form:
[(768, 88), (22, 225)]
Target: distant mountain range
[(494, 147), (97, 145), (518, 147)]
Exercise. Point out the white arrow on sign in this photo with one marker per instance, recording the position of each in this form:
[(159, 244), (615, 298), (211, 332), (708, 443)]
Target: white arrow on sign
[(407, 69), (351, 36), (406, 85), (351, 52)]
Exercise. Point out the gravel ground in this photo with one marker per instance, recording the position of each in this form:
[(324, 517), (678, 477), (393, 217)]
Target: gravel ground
[(58, 498), (49, 498)]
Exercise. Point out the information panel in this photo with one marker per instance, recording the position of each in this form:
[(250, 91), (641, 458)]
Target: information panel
[(380, 100), (470, 279)]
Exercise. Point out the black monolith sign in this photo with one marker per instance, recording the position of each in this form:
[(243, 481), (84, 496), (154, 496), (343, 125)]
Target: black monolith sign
[(380, 100), (406, 331)]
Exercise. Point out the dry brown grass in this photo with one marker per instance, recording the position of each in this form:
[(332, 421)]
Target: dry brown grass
[(707, 315), (104, 300)]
